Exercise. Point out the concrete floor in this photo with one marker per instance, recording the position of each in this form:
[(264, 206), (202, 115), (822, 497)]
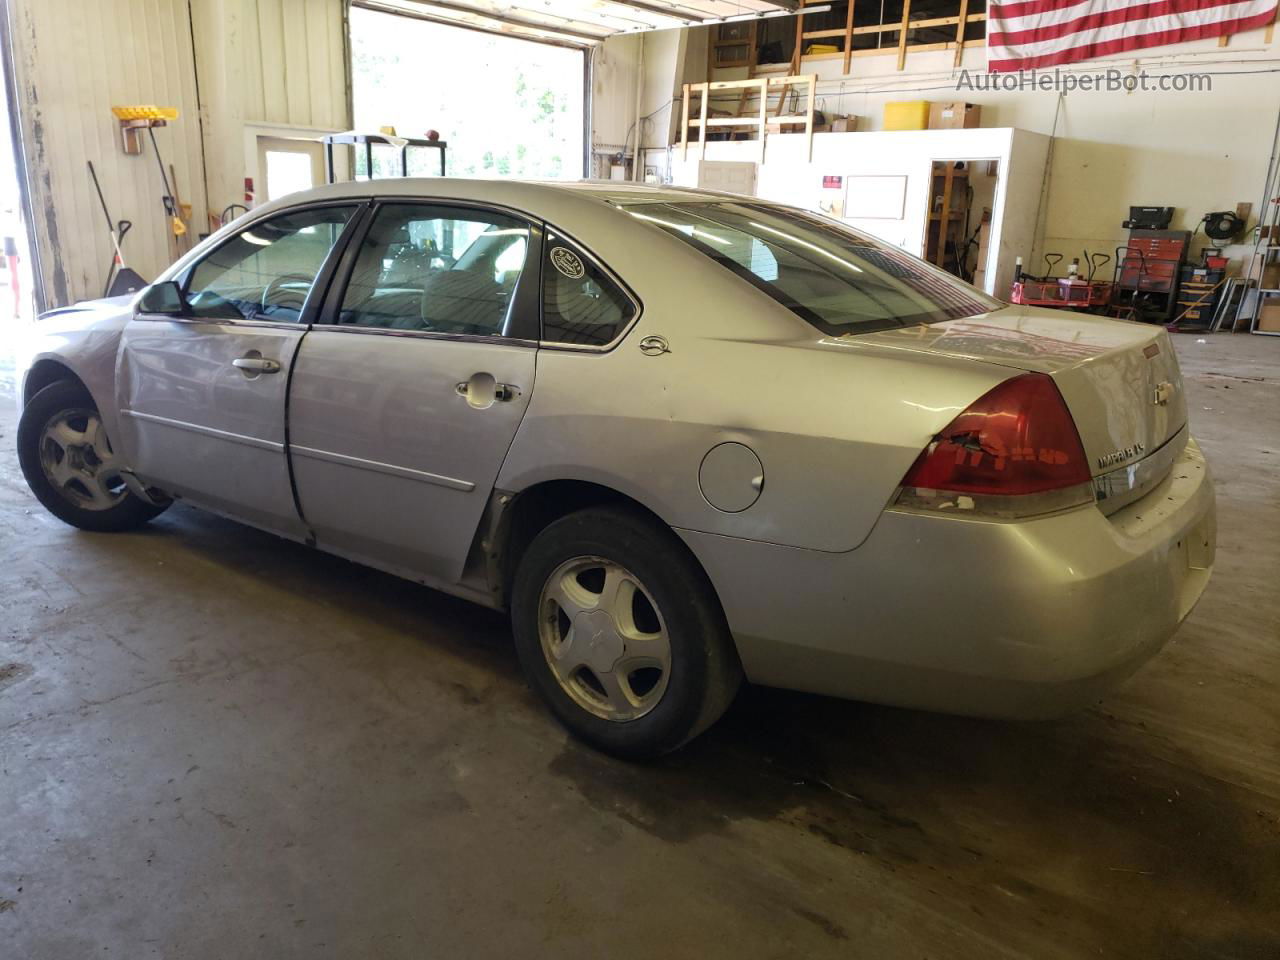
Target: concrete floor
[(217, 744)]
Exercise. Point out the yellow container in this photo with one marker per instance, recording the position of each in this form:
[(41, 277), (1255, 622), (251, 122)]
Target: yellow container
[(146, 113), (906, 115)]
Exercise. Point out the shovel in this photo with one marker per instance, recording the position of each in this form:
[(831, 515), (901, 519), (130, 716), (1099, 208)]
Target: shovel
[(120, 279)]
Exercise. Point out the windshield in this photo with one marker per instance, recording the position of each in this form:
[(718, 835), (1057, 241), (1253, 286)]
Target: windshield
[(840, 281)]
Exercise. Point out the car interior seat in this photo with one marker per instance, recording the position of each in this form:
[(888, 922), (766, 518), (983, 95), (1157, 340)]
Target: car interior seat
[(463, 301)]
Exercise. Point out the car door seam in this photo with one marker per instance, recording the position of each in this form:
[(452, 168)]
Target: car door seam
[(288, 455), (330, 270)]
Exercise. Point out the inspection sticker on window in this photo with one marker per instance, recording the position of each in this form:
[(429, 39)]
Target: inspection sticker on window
[(567, 262)]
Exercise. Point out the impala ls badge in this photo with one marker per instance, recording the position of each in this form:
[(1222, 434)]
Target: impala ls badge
[(1162, 393), (1121, 455)]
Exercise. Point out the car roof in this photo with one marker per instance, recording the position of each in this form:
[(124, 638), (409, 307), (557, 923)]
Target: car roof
[(621, 193), (535, 196)]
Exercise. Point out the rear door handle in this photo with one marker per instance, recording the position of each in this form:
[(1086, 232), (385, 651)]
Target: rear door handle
[(256, 364), (483, 391)]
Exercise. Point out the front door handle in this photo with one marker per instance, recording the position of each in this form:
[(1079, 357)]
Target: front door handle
[(483, 391), (252, 364)]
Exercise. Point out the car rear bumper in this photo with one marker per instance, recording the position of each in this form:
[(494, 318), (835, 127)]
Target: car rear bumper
[(1018, 619)]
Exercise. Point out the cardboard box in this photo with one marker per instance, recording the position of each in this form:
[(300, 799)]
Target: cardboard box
[(1270, 272), (954, 116), (1269, 316), (906, 115)]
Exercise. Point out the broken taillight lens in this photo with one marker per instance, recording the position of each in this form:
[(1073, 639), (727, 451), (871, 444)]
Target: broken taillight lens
[(1014, 452)]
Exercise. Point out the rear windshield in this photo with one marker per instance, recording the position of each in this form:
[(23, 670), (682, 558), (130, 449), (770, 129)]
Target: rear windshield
[(840, 281)]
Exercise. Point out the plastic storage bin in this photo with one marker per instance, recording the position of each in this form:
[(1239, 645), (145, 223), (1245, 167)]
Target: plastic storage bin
[(906, 115)]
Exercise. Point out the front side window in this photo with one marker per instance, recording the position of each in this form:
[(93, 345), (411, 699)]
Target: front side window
[(437, 269), (581, 304), (266, 271), (840, 281)]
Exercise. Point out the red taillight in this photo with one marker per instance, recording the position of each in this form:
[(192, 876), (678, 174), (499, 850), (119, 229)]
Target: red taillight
[(1015, 440)]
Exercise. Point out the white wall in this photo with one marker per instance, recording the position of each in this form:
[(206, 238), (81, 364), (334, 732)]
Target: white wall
[(1196, 151), (72, 61), (277, 67), (613, 91), (664, 57), (788, 175), (282, 63), (614, 70)]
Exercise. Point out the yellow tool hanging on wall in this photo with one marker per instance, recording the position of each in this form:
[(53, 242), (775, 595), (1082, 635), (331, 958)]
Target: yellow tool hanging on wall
[(135, 119)]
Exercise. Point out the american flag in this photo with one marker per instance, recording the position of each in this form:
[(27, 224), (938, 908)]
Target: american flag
[(1029, 34)]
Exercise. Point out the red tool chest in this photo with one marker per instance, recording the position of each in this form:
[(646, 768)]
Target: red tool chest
[(1152, 259)]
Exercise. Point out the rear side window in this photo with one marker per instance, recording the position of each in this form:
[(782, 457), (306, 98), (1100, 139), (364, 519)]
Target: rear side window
[(437, 269), (840, 281), (581, 304)]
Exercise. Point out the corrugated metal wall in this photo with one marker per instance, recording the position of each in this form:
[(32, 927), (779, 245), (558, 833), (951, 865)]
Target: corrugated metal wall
[(300, 76), (281, 63), (72, 62), (277, 62)]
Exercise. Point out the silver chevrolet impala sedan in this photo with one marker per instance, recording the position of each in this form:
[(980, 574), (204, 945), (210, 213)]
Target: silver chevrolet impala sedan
[(685, 438)]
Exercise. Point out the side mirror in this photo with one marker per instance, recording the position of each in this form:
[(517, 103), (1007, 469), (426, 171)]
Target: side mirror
[(164, 297)]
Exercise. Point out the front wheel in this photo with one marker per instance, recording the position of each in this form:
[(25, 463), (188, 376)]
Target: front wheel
[(70, 465), (619, 630)]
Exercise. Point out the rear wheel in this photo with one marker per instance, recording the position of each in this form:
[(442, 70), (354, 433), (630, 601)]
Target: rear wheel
[(619, 631), (70, 465)]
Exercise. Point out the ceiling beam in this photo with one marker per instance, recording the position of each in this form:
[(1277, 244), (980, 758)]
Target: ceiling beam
[(543, 35), (507, 18), (607, 19), (685, 15)]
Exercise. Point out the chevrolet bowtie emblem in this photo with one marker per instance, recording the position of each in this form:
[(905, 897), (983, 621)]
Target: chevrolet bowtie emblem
[(1162, 394)]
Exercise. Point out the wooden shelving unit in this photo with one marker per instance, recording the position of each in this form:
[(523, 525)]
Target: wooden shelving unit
[(762, 88), (733, 45), (945, 225), (901, 48)]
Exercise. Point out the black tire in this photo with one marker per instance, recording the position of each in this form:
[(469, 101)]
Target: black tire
[(704, 672), (46, 406)]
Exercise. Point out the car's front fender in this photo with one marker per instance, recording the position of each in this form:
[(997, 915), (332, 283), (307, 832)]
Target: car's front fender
[(84, 340)]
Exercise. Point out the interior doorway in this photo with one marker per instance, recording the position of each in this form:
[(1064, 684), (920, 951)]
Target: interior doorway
[(957, 229), (289, 165)]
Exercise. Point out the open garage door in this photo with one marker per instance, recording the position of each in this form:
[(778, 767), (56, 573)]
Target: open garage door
[(506, 106), (580, 23)]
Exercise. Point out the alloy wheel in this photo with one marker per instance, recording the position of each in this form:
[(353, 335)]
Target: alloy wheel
[(78, 461), (604, 638)]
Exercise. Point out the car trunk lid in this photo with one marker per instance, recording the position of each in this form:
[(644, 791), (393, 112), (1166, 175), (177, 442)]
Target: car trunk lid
[(1120, 380)]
